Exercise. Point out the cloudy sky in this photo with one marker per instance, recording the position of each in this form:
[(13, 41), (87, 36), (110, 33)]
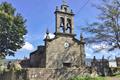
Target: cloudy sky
[(40, 16)]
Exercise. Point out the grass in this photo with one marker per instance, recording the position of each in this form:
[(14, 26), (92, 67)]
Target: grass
[(88, 78), (117, 75)]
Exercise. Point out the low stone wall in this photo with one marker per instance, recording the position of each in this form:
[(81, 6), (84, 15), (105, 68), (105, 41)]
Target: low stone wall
[(44, 74), (55, 74), (13, 75)]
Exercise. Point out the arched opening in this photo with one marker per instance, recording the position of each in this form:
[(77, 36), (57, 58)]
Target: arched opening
[(69, 27), (62, 24), (65, 9)]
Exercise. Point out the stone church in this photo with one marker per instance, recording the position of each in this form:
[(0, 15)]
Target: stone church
[(64, 50), (60, 58)]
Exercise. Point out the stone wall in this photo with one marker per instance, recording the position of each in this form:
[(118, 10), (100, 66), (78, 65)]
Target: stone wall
[(44, 74), (118, 61), (57, 54), (12, 75), (38, 58), (55, 74)]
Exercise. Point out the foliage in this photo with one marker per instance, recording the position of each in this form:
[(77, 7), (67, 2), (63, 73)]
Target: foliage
[(12, 30), (87, 78), (106, 30), (2, 67)]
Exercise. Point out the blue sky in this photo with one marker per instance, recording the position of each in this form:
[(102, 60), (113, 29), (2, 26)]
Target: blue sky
[(40, 16)]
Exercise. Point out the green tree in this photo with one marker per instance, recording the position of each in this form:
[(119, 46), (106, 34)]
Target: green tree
[(106, 29), (12, 30)]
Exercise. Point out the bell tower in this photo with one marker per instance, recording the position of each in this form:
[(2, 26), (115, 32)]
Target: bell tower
[(64, 19)]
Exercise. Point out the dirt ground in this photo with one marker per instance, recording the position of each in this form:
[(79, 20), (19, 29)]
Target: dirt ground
[(113, 78)]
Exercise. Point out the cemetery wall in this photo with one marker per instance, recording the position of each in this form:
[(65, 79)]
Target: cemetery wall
[(44, 74)]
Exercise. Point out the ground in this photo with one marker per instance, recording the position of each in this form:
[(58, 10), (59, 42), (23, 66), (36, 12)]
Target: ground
[(113, 78)]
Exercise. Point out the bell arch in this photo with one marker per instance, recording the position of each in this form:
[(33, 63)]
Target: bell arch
[(69, 26), (62, 24), (64, 20)]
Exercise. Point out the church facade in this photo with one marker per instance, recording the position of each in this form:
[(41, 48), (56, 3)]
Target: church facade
[(64, 50), (60, 58)]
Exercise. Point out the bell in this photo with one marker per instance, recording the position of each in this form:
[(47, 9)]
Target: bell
[(68, 25), (61, 25)]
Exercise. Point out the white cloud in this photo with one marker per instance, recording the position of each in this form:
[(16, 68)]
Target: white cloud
[(28, 46), (51, 35), (88, 55), (99, 46)]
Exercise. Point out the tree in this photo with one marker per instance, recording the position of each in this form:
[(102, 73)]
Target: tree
[(12, 30), (106, 29)]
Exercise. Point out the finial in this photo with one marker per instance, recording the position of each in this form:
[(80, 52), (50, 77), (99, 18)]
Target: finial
[(71, 11), (81, 36), (47, 31), (64, 2), (103, 57), (94, 57), (47, 34), (56, 8)]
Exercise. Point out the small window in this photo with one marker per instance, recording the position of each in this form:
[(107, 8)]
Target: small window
[(66, 64), (65, 9)]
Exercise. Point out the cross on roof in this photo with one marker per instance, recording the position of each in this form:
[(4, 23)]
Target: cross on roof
[(64, 2)]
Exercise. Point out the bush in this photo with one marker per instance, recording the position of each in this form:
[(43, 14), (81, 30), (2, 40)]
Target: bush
[(87, 78), (2, 67)]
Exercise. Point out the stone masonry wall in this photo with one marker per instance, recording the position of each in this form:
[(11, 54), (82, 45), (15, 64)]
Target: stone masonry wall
[(13, 75), (57, 54), (44, 74), (55, 74)]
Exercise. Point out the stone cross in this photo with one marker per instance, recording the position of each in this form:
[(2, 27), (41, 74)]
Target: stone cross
[(64, 2)]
